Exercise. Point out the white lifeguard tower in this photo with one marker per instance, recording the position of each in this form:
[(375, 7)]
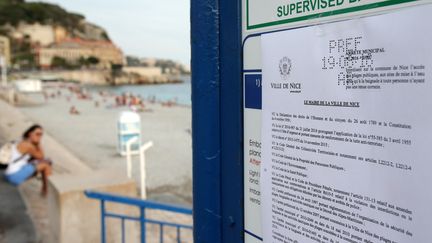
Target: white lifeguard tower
[(129, 127)]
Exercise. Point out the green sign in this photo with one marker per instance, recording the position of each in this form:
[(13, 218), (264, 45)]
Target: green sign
[(261, 14)]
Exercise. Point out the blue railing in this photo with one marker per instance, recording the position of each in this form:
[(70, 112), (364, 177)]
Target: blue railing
[(142, 205)]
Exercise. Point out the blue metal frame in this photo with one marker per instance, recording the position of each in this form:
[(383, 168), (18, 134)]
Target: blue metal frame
[(217, 120), (231, 121), (142, 205)]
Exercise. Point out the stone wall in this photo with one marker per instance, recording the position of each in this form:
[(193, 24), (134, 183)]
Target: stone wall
[(74, 218), (103, 77), (97, 77)]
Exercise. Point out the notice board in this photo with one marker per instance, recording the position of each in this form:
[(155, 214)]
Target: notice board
[(335, 102)]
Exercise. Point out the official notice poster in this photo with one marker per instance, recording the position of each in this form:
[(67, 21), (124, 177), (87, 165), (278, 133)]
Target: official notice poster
[(347, 131)]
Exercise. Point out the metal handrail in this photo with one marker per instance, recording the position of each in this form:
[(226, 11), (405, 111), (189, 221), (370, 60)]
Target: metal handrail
[(143, 205), (137, 202)]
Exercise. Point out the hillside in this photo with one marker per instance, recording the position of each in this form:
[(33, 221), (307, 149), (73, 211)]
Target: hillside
[(35, 23), (15, 12)]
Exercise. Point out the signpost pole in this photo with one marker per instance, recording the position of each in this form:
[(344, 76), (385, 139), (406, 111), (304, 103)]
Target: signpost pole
[(129, 155), (217, 121), (143, 149)]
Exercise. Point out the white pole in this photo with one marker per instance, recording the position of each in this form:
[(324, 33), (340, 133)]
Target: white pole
[(142, 168), (3, 70), (129, 156)]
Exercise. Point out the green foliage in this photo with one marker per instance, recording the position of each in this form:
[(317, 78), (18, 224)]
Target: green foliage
[(4, 31), (25, 60), (59, 62), (105, 35), (93, 60), (14, 11), (82, 61), (22, 53), (116, 69)]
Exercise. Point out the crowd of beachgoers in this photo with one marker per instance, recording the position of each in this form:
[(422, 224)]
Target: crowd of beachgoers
[(106, 99)]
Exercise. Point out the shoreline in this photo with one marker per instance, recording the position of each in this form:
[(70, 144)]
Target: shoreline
[(178, 93), (99, 77), (108, 84)]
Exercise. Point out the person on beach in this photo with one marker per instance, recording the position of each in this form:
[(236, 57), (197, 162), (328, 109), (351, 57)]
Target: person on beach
[(73, 111), (28, 159)]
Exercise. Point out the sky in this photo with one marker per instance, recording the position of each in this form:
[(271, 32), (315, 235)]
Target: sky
[(142, 28)]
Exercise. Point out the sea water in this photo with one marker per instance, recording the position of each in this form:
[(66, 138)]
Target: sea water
[(180, 92)]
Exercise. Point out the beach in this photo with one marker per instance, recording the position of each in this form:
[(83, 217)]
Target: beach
[(91, 135)]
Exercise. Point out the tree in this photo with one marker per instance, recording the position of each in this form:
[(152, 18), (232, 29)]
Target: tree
[(82, 61), (59, 62), (22, 54), (116, 70), (93, 60)]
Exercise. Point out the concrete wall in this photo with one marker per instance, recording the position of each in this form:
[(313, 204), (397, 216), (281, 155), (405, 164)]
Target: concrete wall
[(104, 77), (85, 76), (97, 77), (144, 71), (76, 219)]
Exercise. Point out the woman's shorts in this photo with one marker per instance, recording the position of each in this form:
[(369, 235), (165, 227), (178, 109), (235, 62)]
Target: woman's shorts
[(22, 175)]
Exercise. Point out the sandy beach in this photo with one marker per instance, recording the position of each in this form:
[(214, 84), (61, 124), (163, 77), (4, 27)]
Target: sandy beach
[(92, 137)]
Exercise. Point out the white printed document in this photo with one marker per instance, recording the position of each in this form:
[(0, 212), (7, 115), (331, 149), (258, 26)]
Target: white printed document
[(347, 131)]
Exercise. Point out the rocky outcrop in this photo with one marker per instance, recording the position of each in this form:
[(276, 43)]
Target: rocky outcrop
[(90, 31), (46, 34), (45, 23)]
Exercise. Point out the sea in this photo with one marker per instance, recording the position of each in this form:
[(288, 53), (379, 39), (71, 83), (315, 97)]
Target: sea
[(180, 92)]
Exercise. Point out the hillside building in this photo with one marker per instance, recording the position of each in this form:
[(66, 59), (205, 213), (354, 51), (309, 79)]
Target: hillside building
[(72, 50)]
